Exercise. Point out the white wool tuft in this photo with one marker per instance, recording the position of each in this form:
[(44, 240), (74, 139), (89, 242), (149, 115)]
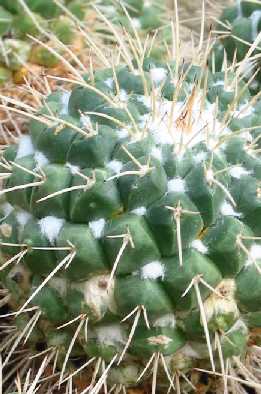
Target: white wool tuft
[(85, 121), (123, 133), (136, 23), (177, 185), (23, 217), (109, 82), (65, 102), (110, 335), (245, 109), (74, 169), (163, 132), (50, 227), (200, 157), (40, 159), (220, 82), (157, 153), (25, 147), (153, 270), (145, 100), (228, 210), (97, 227), (158, 74), (167, 320), (140, 211), (123, 96), (115, 166), (255, 252), (6, 208), (238, 171), (199, 246), (160, 136)]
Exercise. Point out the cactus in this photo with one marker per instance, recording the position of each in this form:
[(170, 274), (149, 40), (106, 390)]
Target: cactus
[(47, 21), (146, 16), (130, 221), (240, 26), (42, 20)]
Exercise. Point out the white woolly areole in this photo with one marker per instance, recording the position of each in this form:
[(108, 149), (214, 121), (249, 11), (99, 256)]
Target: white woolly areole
[(110, 335), (65, 102), (109, 82), (167, 320), (189, 129), (157, 153), (98, 296), (50, 227), (122, 133), (97, 227), (227, 209), (158, 74), (85, 121), (25, 147), (136, 23), (199, 246), (255, 252), (23, 217), (255, 18), (74, 169), (238, 171), (153, 270), (200, 157), (140, 211), (245, 109), (177, 185), (6, 208), (41, 159), (115, 166), (146, 100), (123, 96), (220, 82)]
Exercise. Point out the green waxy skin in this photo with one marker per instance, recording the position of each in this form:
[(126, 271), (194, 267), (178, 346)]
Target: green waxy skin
[(164, 227), (138, 223), (177, 278), (102, 201), (144, 250), (89, 257)]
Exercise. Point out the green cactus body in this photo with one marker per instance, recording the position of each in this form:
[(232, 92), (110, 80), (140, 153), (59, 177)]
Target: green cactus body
[(134, 217), (35, 18), (242, 23)]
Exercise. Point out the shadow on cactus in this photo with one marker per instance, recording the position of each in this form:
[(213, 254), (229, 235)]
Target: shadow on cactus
[(130, 229)]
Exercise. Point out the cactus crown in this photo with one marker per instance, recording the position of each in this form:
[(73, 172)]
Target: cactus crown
[(131, 209)]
